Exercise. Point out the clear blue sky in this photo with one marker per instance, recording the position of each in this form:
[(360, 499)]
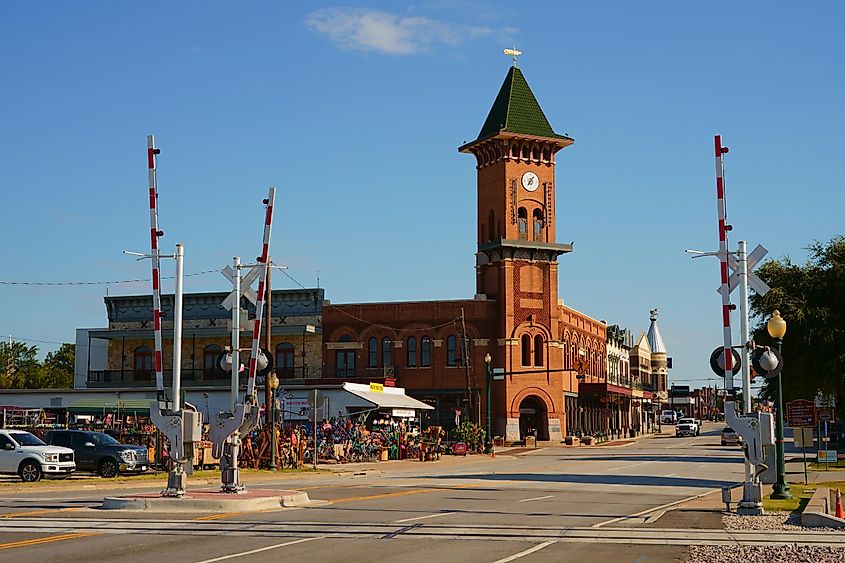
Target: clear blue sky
[(355, 112)]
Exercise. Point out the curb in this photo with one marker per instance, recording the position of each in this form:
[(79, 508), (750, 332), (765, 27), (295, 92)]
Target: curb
[(186, 504)]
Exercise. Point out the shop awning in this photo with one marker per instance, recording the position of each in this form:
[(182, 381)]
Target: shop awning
[(603, 389), (387, 399), (100, 406)]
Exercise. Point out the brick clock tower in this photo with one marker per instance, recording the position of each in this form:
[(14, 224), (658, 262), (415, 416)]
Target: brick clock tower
[(517, 258)]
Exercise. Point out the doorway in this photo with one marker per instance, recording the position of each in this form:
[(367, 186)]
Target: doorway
[(533, 418)]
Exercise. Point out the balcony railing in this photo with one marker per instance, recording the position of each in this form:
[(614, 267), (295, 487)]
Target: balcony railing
[(190, 377)]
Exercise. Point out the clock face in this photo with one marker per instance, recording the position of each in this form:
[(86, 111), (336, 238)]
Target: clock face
[(530, 181)]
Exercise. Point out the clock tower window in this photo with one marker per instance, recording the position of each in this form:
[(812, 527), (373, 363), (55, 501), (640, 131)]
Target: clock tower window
[(538, 351), (522, 219), (538, 225), (526, 349)]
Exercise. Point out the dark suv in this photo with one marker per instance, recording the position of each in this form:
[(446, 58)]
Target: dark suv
[(97, 451)]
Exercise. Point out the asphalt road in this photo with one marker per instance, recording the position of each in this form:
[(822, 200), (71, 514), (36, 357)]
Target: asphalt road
[(551, 504)]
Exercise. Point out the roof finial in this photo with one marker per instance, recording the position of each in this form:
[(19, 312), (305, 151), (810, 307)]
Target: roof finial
[(653, 314), (514, 53)]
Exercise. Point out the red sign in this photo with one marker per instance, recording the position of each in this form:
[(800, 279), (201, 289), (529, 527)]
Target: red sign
[(825, 414), (800, 413), (606, 413), (460, 448)]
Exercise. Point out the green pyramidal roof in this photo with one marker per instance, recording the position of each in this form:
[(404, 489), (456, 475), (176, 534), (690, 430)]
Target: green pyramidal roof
[(516, 111)]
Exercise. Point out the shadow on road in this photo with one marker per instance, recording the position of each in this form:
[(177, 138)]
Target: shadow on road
[(668, 458), (640, 480)]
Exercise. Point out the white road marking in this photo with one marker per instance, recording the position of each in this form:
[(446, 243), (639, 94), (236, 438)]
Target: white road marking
[(670, 475), (259, 550), (629, 465), (535, 498), (526, 552), (648, 510), (424, 517)]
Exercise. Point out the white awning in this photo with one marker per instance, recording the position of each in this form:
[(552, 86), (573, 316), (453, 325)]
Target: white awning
[(388, 399)]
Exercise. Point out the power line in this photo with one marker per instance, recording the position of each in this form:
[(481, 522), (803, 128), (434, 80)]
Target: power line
[(111, 282)]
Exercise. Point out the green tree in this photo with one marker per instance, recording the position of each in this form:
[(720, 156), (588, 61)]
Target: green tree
[(811, 298), (59, 367), (19, 365)]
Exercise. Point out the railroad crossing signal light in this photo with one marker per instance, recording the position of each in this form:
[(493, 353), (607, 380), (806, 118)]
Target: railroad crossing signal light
[(263, 363), (767, 362)]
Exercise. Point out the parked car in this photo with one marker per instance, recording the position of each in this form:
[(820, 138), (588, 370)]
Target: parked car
[(730, 437), (27, 456), (687, 427), (97, 451), (668, 417)]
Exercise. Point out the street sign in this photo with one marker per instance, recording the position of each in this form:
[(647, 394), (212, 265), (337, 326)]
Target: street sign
[(246, 282), (828, 456), (825, 414), (754, 282), (825, 400), (498, 377), (800, 413)]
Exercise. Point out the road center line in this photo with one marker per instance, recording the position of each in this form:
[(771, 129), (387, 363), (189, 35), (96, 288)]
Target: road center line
[(424, 517), (526, 552), (48, 539), (629, 465), (259, 550), (535, 498)]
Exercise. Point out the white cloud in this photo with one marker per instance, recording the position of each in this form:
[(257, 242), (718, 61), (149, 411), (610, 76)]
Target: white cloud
[(374, 30)]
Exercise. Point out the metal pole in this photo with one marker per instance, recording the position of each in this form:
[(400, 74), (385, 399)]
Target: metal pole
[(271, 409), (488, 447), (314, 456), (742, 270), (177, 329), (780, 490), (804, 452), (236, 330)]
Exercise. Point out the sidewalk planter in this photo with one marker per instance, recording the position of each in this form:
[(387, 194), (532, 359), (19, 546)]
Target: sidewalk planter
[(570, 440), (499, 441), (530, 442), (587, 440)]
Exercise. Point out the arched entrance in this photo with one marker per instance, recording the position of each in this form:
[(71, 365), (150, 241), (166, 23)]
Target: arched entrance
[(533, 418)]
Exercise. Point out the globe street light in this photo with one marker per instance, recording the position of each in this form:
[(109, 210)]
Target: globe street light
[(273, 382), (488, 441), (776, 326)]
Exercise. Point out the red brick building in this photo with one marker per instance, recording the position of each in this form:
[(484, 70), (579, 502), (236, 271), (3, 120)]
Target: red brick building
[(436, 350)]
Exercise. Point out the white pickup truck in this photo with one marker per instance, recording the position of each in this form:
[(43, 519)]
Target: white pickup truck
[(687, 427), (27, 456)]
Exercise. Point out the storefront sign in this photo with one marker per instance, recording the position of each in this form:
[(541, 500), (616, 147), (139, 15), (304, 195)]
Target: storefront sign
[(403, 413), (459, 449), (825, 400), (800, 413), (296, 409), (377, 387)]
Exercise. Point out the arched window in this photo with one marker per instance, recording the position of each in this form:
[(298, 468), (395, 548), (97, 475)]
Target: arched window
[(372, 353), (522, 220), (209, 360), (143, 363), (526, 350), (386, 352), (525, 152), (412, 351), (285, 355), (538, 350), (514, 151), (451, 348), (491, 225), (538, 224), (425, 352), (536, 153), (345, 359)]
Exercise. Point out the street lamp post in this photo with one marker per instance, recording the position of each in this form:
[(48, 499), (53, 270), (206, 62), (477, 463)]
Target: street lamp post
[(488, 441), (273, 382), (776, 326)]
